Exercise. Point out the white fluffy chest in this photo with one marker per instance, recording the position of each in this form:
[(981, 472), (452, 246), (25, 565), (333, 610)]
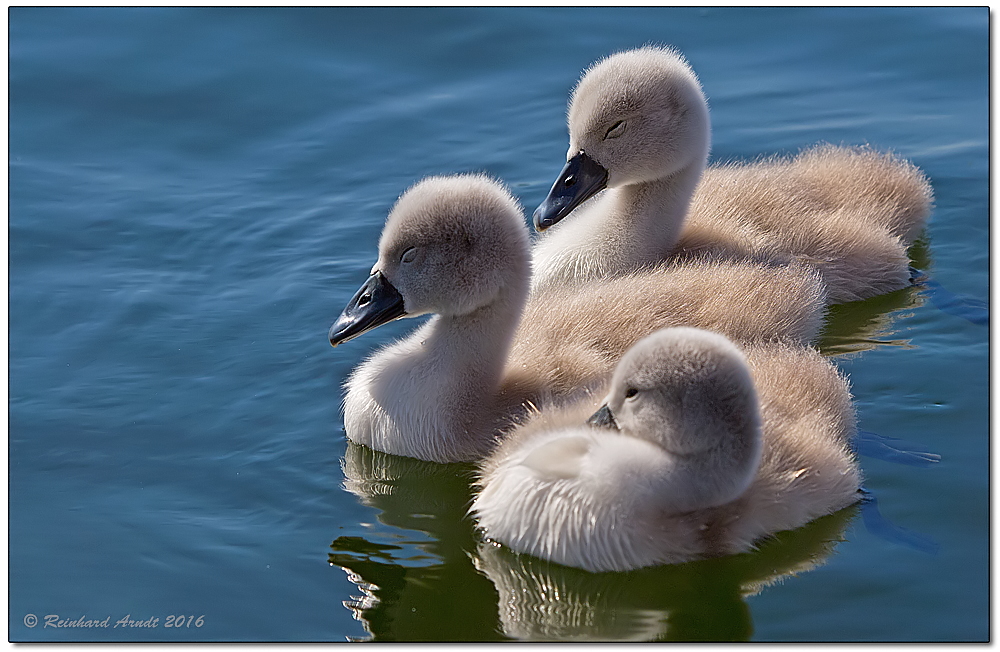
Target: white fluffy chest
[(587, 245), (398, 402)]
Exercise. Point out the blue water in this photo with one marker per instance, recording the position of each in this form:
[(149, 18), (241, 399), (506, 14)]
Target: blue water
[(195, 194)]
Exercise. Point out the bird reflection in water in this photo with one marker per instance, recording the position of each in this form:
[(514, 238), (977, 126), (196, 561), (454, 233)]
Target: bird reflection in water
[(413, 571), (433, 578), (697, 601)]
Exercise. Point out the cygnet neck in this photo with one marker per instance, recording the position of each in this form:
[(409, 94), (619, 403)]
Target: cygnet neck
[(654, 211), (477, 343), (464, 358), (626, 228)]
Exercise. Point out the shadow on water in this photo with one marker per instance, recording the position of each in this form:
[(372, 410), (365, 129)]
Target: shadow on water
[(465, 589), (865, 325), (698, 601), (434, 594)]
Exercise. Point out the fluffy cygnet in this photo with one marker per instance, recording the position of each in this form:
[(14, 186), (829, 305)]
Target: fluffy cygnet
[(457, 247), (699, 449), (640, 132), (638, 127)]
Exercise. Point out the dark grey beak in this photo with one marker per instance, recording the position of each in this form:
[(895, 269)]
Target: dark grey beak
[(376, 303), (603, 419), (581, 179)]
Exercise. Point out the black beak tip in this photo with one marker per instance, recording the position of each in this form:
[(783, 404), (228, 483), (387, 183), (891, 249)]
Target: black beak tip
[(335, 335), (580, 179), (541, 220), (603, 418), (344, 329), (377, 302)]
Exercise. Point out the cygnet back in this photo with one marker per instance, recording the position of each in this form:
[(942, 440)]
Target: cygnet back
[(571, 337)]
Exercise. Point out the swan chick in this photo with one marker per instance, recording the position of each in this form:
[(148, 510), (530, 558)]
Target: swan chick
[(457, 248), (635, 190), (640, 132), (684, 458)]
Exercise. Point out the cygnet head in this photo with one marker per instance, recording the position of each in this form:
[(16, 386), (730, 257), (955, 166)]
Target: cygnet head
[(634, 117), (690, 392), (450, 245)]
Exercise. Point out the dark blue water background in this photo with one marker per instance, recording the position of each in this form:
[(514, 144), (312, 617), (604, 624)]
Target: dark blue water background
[(196, 193)]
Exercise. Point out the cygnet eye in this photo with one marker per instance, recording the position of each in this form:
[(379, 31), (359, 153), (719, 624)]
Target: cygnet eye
[(630, 392), (615, 130), (408, 255)]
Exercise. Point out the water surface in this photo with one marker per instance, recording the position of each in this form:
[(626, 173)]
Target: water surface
[(196, 193)]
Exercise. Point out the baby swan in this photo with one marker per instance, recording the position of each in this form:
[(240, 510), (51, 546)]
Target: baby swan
[(639, 130), (457, 247), (699, 450)]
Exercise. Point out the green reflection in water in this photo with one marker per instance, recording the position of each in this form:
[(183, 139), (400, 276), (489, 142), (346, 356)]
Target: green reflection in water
[(468, 589), (421, 588), (865, 325), (697, 601)]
